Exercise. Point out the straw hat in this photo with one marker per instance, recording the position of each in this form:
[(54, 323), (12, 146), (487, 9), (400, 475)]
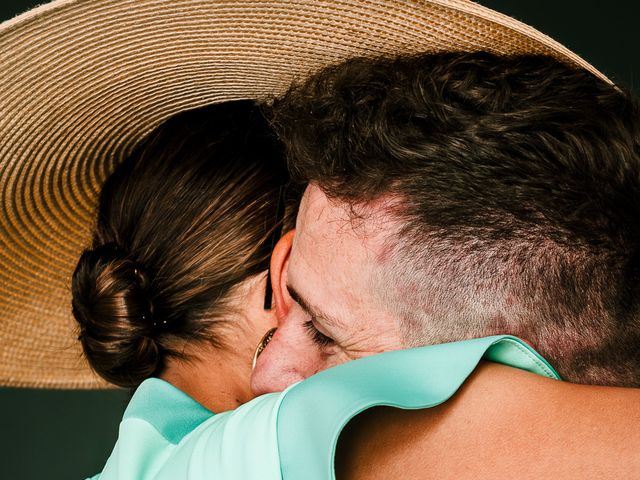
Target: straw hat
[(83, 80)]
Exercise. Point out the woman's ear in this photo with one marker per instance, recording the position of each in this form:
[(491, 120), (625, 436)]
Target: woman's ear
[(278, 271)]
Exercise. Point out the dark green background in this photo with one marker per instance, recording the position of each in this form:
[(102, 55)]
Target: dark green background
[(62, 435)]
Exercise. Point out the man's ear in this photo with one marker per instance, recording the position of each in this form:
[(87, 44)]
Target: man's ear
[(279, 263)]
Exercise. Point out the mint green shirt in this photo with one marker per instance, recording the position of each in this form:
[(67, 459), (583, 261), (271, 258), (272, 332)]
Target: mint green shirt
[(165, 434)]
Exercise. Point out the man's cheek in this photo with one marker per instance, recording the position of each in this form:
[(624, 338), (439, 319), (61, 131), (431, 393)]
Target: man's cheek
[(287, 359), (271, 373)]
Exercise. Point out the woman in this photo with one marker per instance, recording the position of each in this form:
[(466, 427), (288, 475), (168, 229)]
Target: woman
[(172, 284), (171, 299)]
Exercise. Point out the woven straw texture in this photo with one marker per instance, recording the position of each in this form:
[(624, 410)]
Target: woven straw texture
[(82, 81)]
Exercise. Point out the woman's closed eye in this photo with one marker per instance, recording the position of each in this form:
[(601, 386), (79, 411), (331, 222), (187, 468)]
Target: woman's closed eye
[(317, 336)]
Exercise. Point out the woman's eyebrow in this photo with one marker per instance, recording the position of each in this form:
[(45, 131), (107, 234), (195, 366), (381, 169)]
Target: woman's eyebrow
[(310, 309)]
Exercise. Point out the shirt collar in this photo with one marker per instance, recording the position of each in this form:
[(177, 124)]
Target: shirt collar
[(171, 412)]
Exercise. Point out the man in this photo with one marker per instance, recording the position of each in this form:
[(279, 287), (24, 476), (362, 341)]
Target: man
[(454, 196)]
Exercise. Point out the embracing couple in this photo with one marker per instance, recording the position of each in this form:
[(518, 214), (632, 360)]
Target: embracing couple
[(450, 201), (384, 270)]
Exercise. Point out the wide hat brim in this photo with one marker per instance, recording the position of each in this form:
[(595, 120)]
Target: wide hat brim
[(83, 80)]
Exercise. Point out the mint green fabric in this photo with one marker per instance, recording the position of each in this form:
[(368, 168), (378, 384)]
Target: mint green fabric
[(165, 434), (313, 413), (292, 435)]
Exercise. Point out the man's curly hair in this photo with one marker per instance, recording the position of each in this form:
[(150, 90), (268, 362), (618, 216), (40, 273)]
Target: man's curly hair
[(519, 180)]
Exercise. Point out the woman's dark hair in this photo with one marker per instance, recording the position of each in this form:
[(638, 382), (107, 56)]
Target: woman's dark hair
[(182, 221)]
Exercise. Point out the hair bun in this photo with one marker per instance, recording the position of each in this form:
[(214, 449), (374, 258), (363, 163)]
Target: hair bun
[(112, 304)]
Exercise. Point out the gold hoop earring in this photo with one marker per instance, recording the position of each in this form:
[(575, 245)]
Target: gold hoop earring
[(262, 345)]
